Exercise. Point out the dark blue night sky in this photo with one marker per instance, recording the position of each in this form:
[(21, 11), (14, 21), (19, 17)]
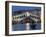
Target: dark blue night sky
[(19, 8)]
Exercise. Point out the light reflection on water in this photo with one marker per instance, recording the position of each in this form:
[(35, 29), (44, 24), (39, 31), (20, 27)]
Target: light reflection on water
[(21, 27)]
